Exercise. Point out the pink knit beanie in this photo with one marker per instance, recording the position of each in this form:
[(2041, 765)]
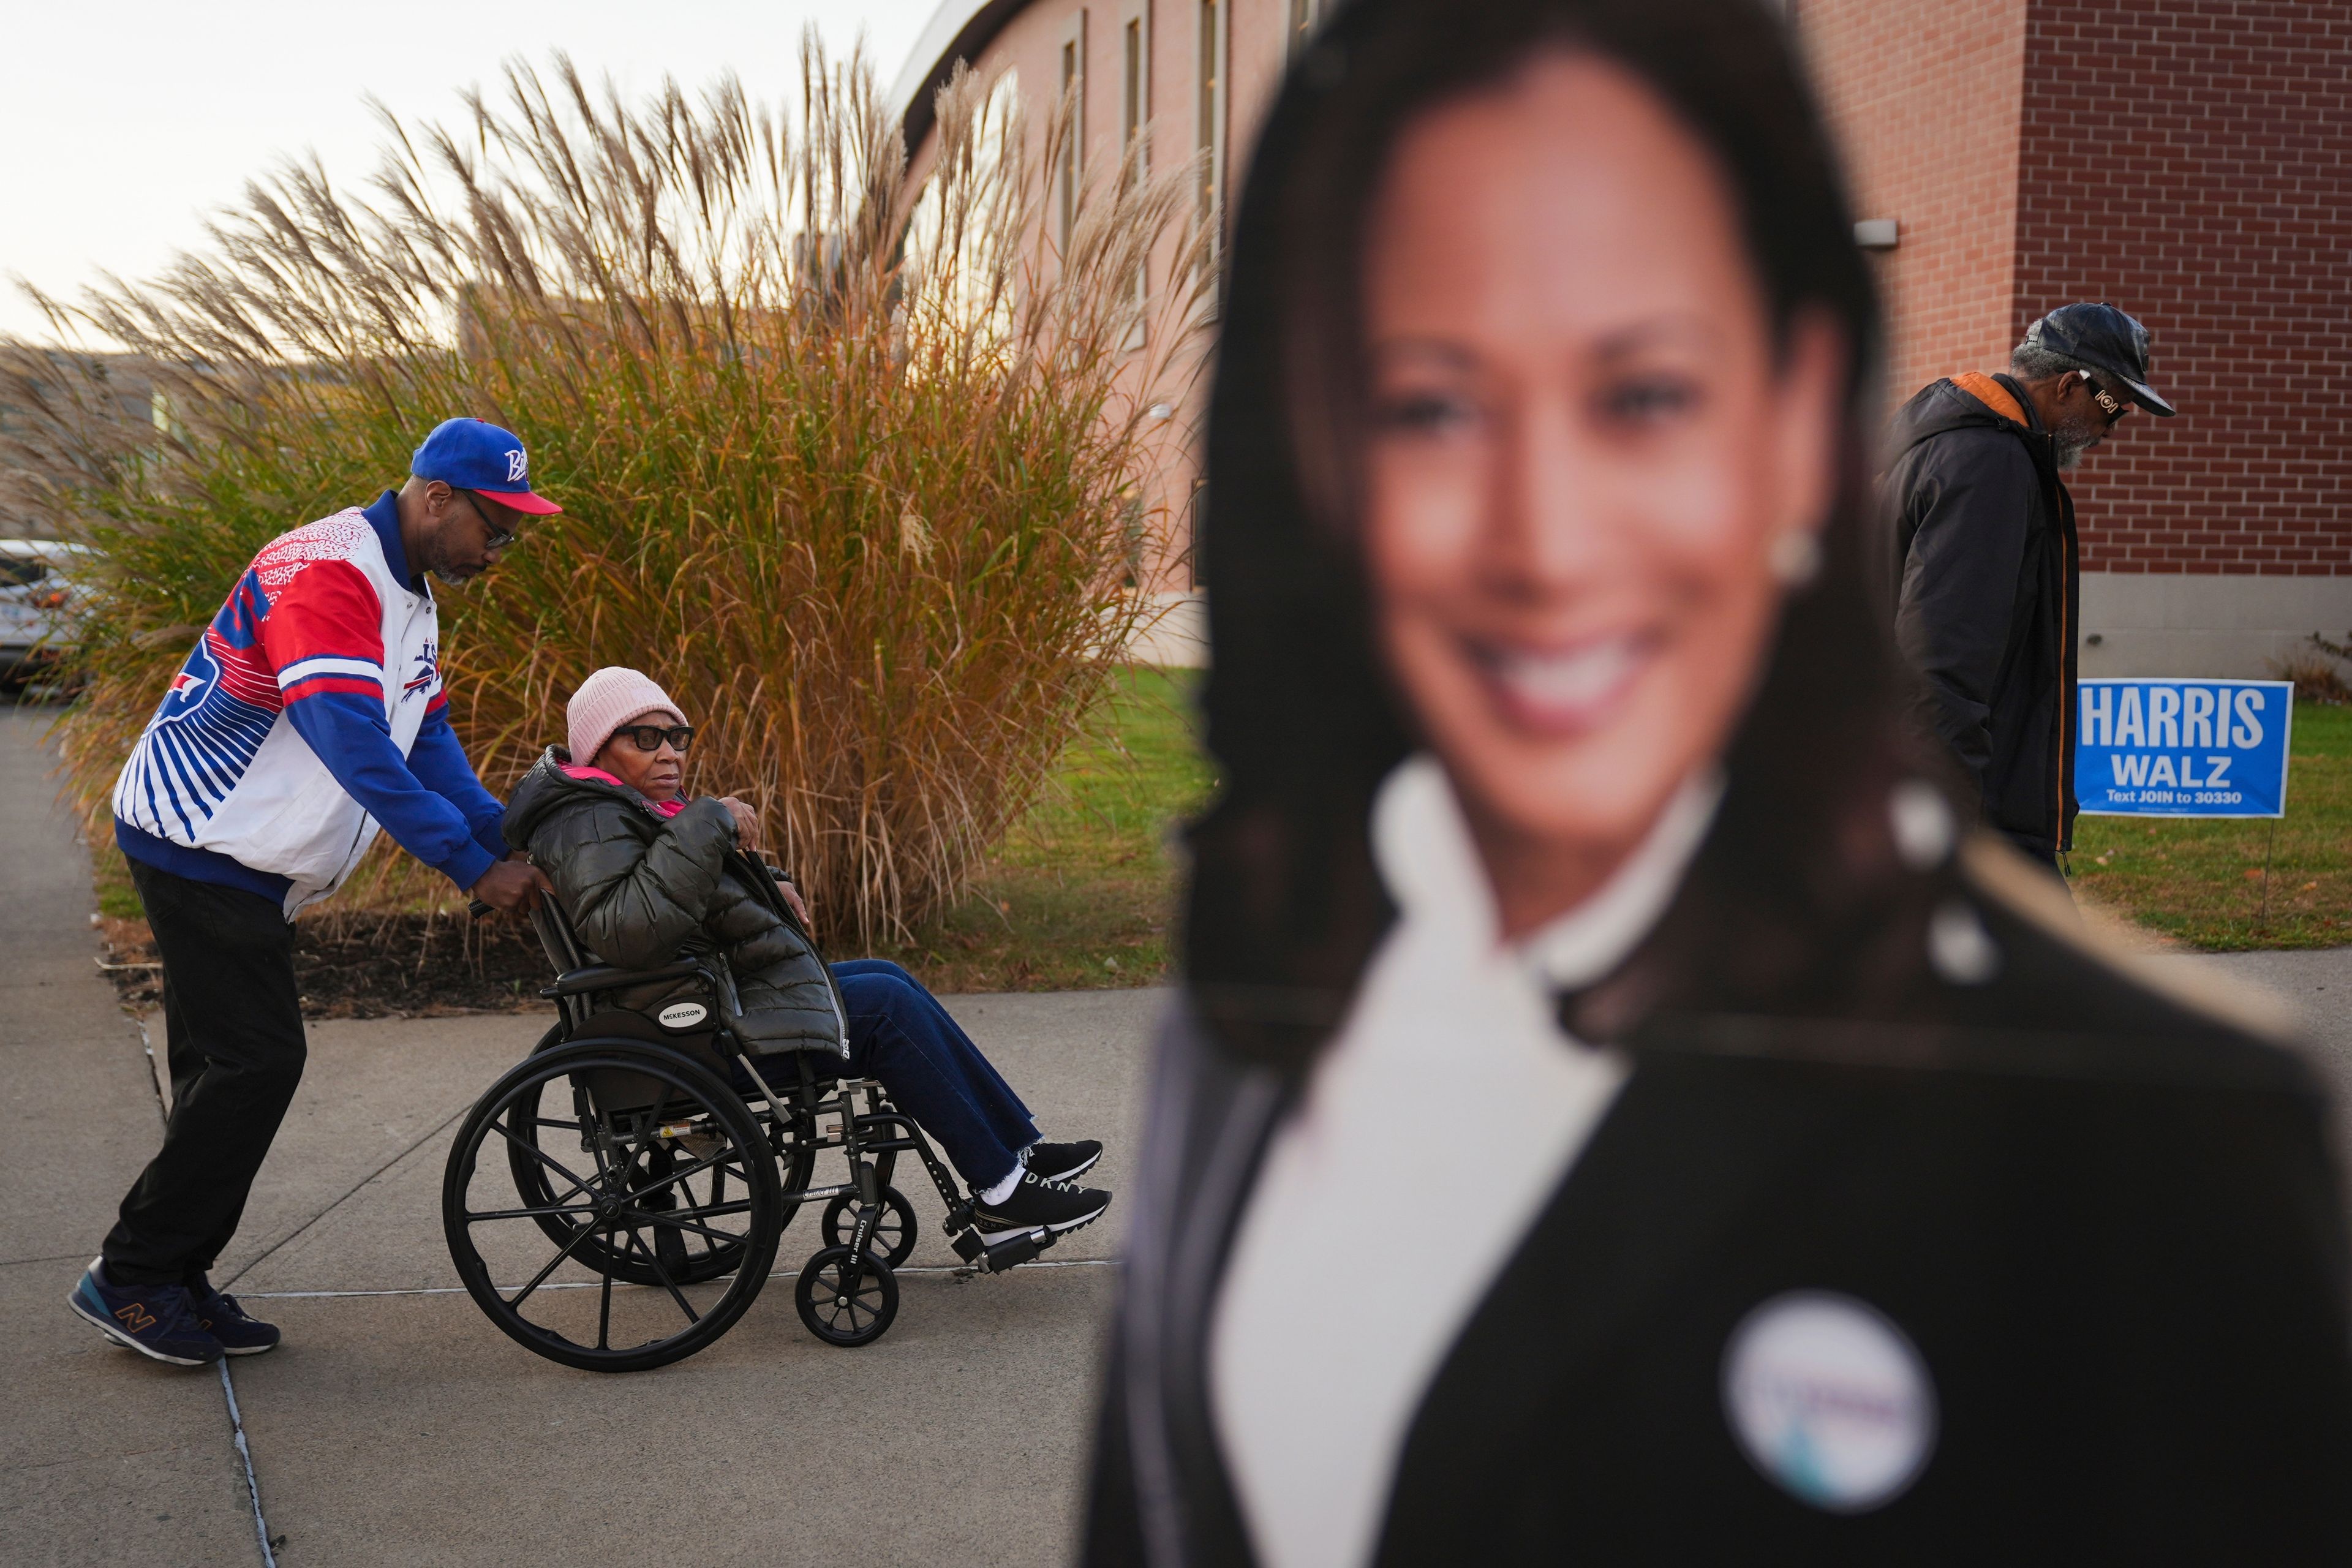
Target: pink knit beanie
[(606, 701)]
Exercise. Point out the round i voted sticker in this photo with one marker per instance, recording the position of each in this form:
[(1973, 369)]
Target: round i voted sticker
[(1828, 1400)]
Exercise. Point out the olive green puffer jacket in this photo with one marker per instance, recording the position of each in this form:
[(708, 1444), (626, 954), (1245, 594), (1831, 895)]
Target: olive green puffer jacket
[(642, 890)]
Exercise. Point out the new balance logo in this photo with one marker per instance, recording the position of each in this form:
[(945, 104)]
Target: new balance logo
[(135, 1317), (518, 466)]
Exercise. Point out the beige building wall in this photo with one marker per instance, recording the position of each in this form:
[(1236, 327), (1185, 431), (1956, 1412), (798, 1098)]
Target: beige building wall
[(1209, 69)]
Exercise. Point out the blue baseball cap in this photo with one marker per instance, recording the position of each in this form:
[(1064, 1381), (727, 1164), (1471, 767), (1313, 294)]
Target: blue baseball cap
[(475, 455)]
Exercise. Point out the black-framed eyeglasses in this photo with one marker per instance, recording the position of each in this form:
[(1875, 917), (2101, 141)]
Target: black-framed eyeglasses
[(2114, 407), (499, 538), (649, 737)]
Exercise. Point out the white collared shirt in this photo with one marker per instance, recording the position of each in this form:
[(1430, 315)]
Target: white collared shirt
[(1432, 1133)]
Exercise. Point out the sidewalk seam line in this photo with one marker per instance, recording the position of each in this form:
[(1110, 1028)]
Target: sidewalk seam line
[(245, 1456), (585, 1285), (291, 1235), (229, 1389)]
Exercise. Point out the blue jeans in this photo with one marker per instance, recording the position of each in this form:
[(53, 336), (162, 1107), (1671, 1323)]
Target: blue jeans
[(899, 1034)]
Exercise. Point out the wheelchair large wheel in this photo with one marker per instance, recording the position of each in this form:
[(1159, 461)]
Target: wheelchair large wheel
[(679, 1168), (703, 1258)]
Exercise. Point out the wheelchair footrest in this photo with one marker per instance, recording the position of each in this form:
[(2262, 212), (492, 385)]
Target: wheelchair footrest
[(994, 1257)]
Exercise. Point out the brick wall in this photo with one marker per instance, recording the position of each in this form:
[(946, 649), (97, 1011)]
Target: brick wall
[(2192, 162), (1923, 98)]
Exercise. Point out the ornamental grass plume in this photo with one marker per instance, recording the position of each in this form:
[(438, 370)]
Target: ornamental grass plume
[(848, 464)]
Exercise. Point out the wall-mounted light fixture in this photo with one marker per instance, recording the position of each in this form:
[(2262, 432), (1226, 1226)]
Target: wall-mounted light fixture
[(1876, 233)]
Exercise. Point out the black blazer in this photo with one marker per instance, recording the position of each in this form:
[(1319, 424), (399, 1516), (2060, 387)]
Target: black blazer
[(2107, 1220)]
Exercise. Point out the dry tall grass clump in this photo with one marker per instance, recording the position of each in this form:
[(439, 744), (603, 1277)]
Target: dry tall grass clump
[(848, 465), (2318, 670)]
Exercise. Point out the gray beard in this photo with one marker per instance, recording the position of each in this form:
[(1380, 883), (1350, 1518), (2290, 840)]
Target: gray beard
[(2071, 441), (2071, 444)]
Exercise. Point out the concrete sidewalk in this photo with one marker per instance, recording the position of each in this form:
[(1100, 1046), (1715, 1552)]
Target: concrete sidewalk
[(396, 1425), (106, 1457)]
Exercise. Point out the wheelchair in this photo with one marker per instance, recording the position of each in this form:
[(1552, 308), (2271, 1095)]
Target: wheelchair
[(616, 1200)]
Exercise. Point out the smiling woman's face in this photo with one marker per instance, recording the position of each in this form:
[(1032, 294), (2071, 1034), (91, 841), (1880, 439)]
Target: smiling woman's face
[(1586, 454)]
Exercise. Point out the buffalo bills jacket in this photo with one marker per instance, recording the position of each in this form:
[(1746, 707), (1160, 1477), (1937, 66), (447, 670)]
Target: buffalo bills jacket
[(310, 713)]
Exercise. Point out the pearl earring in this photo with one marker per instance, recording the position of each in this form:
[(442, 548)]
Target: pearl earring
[(1796, 557)]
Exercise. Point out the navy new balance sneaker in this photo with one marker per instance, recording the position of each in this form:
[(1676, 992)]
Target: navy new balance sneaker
[(154, 1320), (221, 1317)]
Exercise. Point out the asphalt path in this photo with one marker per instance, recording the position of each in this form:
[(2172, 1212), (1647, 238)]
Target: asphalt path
[(396, 1425)]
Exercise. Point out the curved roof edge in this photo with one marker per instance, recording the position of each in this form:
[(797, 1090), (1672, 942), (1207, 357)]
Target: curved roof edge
[(958, 31)]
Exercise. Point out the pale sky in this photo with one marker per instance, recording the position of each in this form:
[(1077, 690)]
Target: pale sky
[(123, 122)]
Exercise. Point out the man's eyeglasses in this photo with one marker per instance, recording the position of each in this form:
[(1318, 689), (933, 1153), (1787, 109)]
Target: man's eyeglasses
[(649, 737), (2114, 407), (499, 538)]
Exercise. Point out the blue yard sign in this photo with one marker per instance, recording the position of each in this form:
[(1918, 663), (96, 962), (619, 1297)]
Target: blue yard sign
[(2182, 748)]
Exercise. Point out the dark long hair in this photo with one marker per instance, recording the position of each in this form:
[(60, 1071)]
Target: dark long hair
[(1285, 906)]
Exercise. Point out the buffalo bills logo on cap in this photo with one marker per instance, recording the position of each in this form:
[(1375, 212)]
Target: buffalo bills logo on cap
[(1830, 1400), (474, 455)]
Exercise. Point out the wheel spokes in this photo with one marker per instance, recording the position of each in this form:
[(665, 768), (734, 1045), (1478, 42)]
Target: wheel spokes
[(530, 1147), (677, 1221), (667, 1283), (663, 1196), (663, 1184), (541, 1278), (473, 1217)]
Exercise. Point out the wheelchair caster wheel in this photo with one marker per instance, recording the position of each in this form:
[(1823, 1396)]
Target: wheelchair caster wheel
[(846, 1300), (894, 1228)]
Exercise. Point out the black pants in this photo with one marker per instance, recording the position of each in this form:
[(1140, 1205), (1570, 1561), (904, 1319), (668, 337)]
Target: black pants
[(2038, 850), (233, 1022)]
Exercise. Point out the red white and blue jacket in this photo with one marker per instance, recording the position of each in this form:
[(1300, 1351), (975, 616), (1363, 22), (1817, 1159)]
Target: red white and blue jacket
[(310, 712)]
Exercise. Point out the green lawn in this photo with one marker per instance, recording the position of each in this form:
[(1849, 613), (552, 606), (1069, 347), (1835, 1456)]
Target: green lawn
[(2203, 883), (1081, 892)]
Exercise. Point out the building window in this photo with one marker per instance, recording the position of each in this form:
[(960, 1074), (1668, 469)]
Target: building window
[(1134, 124), (1198, 511), (1073, 92), (1131, 112), (1211, 142)]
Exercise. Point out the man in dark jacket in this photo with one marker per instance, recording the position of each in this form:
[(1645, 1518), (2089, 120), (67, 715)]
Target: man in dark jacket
[(646, 874), (1984, 544)]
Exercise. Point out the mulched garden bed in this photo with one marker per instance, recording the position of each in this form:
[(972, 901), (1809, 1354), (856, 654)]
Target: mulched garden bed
[(369, 966)]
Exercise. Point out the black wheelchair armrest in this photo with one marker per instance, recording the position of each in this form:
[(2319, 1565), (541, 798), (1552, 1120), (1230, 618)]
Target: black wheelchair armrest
[(608, 977)]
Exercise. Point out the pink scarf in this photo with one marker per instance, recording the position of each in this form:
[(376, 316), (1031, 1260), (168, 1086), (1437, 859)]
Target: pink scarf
[(581, 771)]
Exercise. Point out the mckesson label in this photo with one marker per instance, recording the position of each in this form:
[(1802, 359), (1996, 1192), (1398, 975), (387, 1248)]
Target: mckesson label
[(682, 1014)]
